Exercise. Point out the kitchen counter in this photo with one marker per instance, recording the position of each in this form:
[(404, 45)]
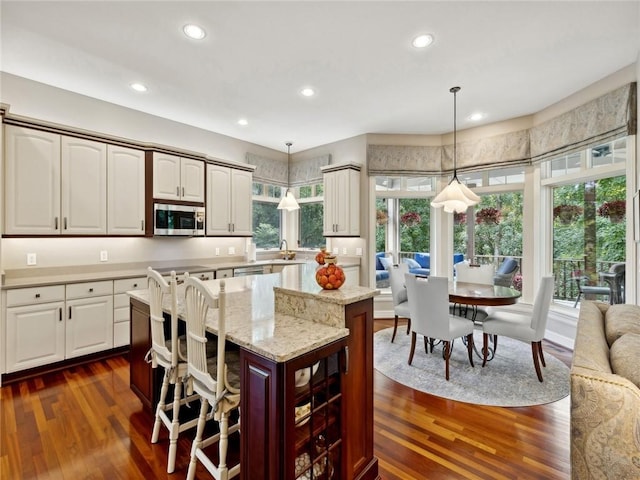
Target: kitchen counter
[(37, 276), (275, 315)]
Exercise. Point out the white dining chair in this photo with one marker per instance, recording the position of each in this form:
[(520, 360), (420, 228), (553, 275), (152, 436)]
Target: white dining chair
[(430, 317), (399, 296), (526, 328), (470, 273), (215, 379), (166, 353)]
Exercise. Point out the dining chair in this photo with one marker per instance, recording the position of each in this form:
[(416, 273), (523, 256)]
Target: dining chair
[(399, 296), (470, 273), (429, 310), (216, 379), (169, 354), (523, 327)]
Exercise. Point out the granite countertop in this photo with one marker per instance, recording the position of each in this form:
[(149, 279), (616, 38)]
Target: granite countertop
[(254, 322), (35, 277)]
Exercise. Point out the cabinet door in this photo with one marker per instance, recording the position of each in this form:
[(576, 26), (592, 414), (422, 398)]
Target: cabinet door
[(342, 203), (218, 195), (125, 191), (84, 187), (89, 326), (35, 335), (330, 187), (192, 180), (241, 203), (166, 176), (32, 182)]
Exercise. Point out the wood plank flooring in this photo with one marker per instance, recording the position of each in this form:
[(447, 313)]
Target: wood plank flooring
[(85, 423)]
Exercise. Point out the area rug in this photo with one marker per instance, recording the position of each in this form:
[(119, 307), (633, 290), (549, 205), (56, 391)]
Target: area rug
[(508, 380)]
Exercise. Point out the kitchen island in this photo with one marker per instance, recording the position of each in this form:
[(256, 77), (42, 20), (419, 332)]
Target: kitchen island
[(284, 323)]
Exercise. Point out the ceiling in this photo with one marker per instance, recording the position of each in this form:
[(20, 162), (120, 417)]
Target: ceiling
[(510, 58)]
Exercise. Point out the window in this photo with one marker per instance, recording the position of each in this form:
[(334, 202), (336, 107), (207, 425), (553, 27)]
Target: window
[(311, 216), (266, 216)]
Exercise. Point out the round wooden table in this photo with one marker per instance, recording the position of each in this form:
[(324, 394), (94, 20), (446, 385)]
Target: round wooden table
[(481, 294)]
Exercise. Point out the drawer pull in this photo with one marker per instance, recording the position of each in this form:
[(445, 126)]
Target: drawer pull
[(91, 290), (135, 285), (69, 313), (346, 359), (37, 295), (60, 314)]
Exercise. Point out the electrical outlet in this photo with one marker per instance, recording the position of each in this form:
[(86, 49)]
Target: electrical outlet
[(104, 256), (232, 251), (344, 250), (336, 250), (217, 251), (359, 251), (31, 259)]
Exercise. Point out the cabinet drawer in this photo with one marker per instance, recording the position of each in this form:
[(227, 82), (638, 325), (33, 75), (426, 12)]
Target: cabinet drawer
[(34, 295), (125, 284), (89, 289), (121, 300)]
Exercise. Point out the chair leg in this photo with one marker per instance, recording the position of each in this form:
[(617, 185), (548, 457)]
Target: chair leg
[(160, 407), (395, 328), (431, 342), (223, 445), (541, 354), (413, 347), (485, 348), (426, 344), (197, 441), (470, 348), (408, 325), (536, 360), (174, 431), (447, 355), (577, 299), (495, 344)]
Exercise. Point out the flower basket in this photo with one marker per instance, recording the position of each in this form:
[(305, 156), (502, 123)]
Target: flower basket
[(567, 214), (410, 219), (613, 210), (381, 217), (488, 216)]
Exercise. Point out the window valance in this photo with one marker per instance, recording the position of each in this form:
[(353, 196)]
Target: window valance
[(603, 119), (303, 172)]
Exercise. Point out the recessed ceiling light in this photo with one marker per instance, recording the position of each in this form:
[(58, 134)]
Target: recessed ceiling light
[(308, 92), (194, 31), (138, 87), (474, 117), (422, 41), (243, 122)]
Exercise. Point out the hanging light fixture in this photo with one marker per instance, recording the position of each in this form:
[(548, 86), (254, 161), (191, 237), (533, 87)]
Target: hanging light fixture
[(456, 197), (288, 202)]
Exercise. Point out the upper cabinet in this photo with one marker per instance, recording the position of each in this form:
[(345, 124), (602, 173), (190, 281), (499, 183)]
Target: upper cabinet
[(341, 200), (176, 178), (229, 201), (57, 184), (125, 191)]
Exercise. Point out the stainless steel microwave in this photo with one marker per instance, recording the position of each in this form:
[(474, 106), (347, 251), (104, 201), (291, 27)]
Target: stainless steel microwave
[(178, 220)]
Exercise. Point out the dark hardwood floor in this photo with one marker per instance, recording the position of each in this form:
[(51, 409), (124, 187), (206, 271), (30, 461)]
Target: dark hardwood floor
[(85, 423)]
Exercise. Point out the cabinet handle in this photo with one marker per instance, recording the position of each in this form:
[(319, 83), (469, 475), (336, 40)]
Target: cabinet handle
[(37, 295), (135, 285), (229, 227), (60, 314), (91, 290), (69, 313), (142, 225), (65, 223), (183, 191), (233, 227), (56, 223), (346, 359), (177, 191)]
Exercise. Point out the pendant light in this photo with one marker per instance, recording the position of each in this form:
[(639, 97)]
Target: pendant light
[(455, 197), (288, 202)]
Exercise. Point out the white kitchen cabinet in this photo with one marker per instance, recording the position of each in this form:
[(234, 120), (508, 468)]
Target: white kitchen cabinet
[(35, 327), (84, 187), (176, 178), (121, 313), (229, 201), (32, 182), (89, 320), (125, 191), (352, 276), (341, 200)]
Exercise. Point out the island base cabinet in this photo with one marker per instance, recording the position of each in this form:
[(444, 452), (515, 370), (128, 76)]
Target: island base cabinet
[(292, 415)]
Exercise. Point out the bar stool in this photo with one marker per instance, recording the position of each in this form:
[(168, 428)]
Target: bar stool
[(215, 379)]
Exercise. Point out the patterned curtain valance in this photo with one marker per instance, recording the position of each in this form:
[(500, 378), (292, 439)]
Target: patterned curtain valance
[(268, 170), (403, 160), (601, 120), (306, 172)]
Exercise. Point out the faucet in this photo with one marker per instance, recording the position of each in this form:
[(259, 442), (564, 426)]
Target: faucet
[(286, 248)]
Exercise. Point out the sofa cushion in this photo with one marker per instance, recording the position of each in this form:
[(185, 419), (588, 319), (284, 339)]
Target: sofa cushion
[(621, 319), (624, 356), (386, 262), (423, 259), (411, 263), (378, 264)]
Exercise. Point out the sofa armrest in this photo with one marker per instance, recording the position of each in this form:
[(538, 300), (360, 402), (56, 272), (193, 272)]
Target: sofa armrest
[(605, 426)]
